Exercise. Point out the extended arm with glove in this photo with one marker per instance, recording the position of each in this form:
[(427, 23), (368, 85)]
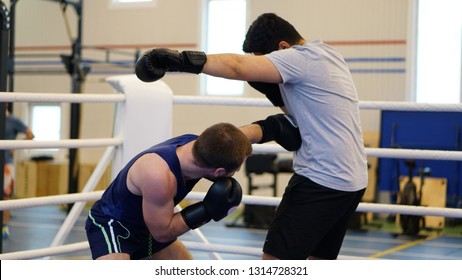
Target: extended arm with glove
[(280, 129), (153, 65), (222, 198)]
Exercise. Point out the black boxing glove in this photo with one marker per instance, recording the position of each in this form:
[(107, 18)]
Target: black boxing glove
[(222, 198), (271, 91), (280, 129), (153, 65)]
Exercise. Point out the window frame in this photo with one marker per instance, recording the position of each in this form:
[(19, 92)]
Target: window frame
[(55, 153), (413, 60), (205, 43)]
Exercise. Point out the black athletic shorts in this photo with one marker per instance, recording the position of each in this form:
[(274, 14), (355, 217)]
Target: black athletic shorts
[(107, 235), (311, 220)]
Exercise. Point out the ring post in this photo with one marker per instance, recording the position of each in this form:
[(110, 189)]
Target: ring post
[(145, 119)]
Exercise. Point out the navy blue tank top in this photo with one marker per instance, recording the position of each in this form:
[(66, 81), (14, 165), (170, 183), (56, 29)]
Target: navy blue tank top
[(119, 203)]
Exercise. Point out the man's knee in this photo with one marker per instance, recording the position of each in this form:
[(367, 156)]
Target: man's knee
[(267, 256), (175, 251)]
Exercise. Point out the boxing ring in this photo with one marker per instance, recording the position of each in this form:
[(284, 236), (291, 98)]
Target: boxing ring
[(130, 93)]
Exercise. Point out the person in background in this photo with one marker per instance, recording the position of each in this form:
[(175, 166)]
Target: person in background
[(14, 127)]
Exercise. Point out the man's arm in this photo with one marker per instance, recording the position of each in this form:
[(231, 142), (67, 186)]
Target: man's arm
[(253, 132), (242, 67), (29, 134), (151, 178), (258, 70)]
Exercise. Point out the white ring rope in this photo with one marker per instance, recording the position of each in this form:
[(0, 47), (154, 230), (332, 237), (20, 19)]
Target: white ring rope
[(43, 252), (66, 143), (49, 200), (229, 101), (207, 100), (379, 152), (410, 106), (232, 249), (60, 97), (414, 154), (194, 246), (257, 148), (246, 199), (366, 105), (81, 246)]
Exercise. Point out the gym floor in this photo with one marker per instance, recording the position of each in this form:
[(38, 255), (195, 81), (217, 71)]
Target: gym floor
[(35, 228)]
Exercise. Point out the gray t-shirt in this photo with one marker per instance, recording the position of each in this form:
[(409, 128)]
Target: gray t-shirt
[(320, 95)]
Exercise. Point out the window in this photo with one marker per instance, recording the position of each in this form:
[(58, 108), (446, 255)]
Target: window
[(225, 33), (439, 48), (45, 124)]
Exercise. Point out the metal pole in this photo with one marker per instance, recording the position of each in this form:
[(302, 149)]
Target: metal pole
[(4, 29), (11, 48), (77, 78)]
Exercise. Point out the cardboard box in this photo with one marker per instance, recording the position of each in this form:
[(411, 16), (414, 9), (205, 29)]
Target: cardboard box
[(26, 179), (45, 178), (52, 177)]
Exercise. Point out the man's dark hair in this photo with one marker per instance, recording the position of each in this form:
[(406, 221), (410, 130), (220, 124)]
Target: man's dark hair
[(266, 32)]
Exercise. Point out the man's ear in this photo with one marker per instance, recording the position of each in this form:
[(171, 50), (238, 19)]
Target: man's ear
[(284, 45), (219, 172)]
